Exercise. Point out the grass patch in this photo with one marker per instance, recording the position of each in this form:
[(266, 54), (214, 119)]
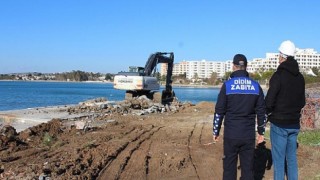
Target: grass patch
[(306, 137), (47, 139), (311, 138)]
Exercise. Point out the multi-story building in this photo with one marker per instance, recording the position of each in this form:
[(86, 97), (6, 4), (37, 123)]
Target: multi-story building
[(306, 58), (163, 68), (260, 64), (198, 69), (180, 68)]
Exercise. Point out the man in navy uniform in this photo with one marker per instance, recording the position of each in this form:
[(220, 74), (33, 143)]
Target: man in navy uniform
[(240, 101)]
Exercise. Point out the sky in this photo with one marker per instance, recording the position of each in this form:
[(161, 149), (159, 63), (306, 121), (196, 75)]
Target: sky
[(108, 36)]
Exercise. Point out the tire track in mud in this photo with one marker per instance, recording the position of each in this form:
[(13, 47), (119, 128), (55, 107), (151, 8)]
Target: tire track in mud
[(117, 165), (138, 166), (168, 155), (200, 137), (213, 152), (112, 145), (135, 157), (200, 154), (113, 156), (147, 160), (190, 143)]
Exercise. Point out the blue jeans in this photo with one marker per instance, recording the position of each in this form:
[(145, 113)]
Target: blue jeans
[(284, 148)]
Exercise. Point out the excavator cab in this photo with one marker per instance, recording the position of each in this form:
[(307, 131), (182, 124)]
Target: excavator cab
[(140, 81), (136, 69)]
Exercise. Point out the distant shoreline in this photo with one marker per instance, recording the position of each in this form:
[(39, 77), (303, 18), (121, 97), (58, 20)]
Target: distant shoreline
[(8, 80), (264, 87), (110, 82), (196, 86)]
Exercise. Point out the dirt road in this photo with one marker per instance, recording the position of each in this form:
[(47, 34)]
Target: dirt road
[(156, 146), (167, 148)]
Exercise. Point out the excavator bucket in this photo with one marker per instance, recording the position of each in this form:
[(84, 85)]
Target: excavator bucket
[(167, 96)]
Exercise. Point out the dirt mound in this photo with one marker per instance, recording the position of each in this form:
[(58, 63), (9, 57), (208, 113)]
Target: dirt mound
[(167, 145), (53, 128), (204, 105)]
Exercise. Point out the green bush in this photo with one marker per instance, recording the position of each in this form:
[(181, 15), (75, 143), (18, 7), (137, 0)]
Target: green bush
[(47, 139)]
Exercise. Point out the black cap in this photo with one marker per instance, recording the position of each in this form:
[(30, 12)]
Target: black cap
[(240, 59)]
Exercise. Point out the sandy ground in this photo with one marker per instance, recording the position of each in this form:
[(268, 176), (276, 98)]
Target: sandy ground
[(114, 146), (25, 118)]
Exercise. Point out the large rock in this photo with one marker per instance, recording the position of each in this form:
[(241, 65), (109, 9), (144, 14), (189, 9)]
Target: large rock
[(7, 134)]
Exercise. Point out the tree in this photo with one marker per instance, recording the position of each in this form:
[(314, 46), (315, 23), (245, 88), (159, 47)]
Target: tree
[(265, 76), (226, 76), (311, 79), (163, 78), (315, 70), (158, 76), (213, 79), (73, 76), (255, 76), (7, 76), (109, 77), (196, 76), (181, 78)]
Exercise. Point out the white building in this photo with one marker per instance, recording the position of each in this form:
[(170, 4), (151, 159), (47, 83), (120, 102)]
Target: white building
[(261, 64), (198, 69), (180, 68), (306, 58)]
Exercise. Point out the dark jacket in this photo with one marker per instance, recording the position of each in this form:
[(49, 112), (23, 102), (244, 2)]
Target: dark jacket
[(240, 100), (286, 94)]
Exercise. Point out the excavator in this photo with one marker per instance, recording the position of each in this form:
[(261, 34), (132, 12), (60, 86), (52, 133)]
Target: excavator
[(140, 81)]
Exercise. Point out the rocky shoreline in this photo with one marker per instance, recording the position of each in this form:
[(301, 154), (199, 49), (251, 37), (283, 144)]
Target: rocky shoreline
[(91, 109), (25, 118)]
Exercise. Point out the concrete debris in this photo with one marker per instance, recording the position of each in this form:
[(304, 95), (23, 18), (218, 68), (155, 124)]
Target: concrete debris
[(82, 125), (310, 118), (92, 114), (137, 105), (95, 113), (142, 106)]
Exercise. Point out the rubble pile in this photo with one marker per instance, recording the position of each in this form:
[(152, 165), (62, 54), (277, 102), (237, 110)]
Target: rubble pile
[(92, 113), (97, 112), (137, 105), (310, 118)]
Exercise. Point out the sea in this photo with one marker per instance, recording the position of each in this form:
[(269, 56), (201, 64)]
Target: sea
[(31, 94)]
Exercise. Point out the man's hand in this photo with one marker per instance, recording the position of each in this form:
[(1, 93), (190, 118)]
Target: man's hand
[(215, 138), (260, 139)]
